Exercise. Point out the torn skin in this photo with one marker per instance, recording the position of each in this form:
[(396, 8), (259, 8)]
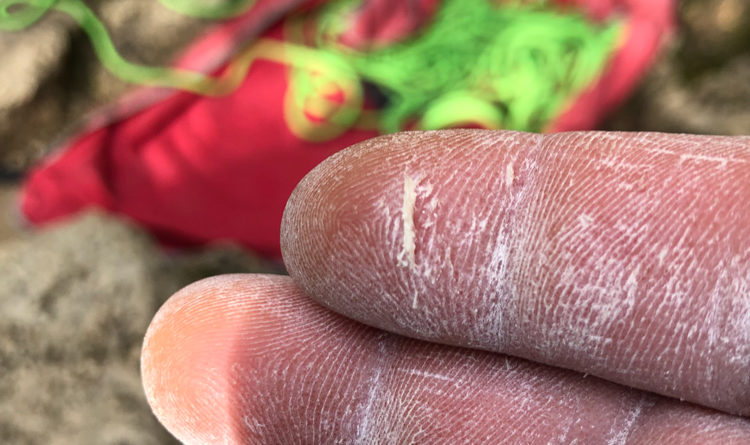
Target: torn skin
[(406, 256)]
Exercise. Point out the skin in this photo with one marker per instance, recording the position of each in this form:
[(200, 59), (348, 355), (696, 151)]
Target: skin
[(623, 258)]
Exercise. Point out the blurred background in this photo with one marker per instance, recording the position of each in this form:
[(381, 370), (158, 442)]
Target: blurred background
[(77, 294)]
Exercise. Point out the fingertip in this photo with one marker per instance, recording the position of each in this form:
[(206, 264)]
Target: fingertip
[(369, 216), (316, 188), (188, 352)]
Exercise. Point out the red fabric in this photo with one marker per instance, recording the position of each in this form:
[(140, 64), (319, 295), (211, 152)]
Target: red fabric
[(382, 22), (199, 168), (196, 169)]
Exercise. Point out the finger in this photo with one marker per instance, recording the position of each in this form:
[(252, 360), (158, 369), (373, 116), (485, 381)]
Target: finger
[(626, 256), (250, 359)]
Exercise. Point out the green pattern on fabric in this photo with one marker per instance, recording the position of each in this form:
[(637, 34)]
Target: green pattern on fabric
[(508, 66)]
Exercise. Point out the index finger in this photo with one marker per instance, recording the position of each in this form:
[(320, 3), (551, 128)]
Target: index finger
[(625, 256)]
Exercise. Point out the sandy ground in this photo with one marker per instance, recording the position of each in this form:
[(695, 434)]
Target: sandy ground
[(8, 224), (75, 299)]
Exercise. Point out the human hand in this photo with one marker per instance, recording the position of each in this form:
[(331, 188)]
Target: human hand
[(624, 256)]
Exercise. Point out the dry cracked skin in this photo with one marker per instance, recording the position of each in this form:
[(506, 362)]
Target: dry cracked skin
[(621, 259), (621, 255)]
